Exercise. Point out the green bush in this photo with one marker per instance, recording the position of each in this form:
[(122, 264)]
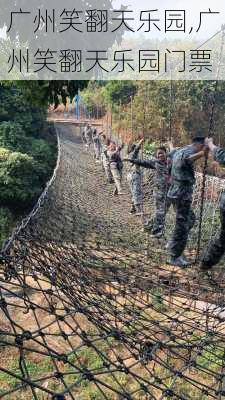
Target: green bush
[(120, 91), (15, 107), (12, 136), (19, 179), (27, 148)]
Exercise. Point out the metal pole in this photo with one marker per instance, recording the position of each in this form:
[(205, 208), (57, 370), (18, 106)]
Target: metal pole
[(171, 105), (108, 132), (111, 121), (120, 120), (132, 121), (77, 105)]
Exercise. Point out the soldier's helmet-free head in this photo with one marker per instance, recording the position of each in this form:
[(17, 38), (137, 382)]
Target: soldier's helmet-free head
[(112, 146), (198, 142), (161, 154)]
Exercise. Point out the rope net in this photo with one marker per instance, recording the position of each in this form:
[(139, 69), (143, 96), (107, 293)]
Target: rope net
[(90, 310)]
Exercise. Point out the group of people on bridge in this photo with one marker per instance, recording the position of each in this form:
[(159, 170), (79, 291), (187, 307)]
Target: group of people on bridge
[(174, 180)]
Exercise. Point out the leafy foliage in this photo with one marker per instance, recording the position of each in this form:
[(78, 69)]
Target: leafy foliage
[(120, 91), (163, 110), (150, 148), (27, 150)]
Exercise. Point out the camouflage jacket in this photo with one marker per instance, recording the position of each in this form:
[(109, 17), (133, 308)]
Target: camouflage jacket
[(182, 175), (219, 155), (96, 139), (162, 173), (114, 159), (132, 156)]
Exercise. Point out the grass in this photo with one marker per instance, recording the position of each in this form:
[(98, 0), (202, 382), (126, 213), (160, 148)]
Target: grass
[(35, 371), (91, 359)]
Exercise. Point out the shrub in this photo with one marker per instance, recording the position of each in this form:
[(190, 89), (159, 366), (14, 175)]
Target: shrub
[(19, 180), (12, 136)]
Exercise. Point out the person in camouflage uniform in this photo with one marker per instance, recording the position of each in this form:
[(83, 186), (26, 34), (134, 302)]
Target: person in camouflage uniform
[(162, 166), (97, 145), (134, 178), (180, 195), (217, 247), (88, 135), (104, 159), (116, 166)]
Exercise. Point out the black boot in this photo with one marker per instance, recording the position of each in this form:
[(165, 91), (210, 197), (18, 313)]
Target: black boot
[(133, 209)]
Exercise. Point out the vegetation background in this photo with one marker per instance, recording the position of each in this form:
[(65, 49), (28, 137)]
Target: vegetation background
[(157, 110)]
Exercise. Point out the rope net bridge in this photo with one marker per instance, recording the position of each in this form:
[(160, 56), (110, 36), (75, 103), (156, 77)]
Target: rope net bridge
[(90, 310)]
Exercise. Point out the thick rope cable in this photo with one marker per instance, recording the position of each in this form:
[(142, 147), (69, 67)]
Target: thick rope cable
[(211, 133), (97, 314)]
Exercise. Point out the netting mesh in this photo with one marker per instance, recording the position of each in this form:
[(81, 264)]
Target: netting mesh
[(90, 310)]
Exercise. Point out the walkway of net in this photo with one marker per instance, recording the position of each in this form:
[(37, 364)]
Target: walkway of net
[(90, 310)]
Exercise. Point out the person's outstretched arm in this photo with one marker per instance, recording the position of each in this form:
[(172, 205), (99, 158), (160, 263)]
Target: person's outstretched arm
[(148, 164), (197, 156), (217, 152), (135, 153)]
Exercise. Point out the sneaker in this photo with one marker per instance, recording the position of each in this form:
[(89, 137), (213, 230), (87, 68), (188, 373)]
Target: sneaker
[(133, 210), (121, 194), (139, 211), (168, 245), (157, 234), (205, 266), (147, 228), (181, 262)]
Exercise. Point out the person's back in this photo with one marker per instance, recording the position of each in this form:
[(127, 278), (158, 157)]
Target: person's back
[(116, 165), (182, 174), (88, 134), (97, 145), (180, 194), (216, 249), (134, 178), (182, 169), (95, 137)]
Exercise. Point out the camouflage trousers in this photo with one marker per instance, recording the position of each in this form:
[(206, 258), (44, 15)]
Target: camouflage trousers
[(97, 151), (88, 140), (216, 249), (185, 220), (135, 183), (162, 205), (83, 137), (117, 177), (106, 167)]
